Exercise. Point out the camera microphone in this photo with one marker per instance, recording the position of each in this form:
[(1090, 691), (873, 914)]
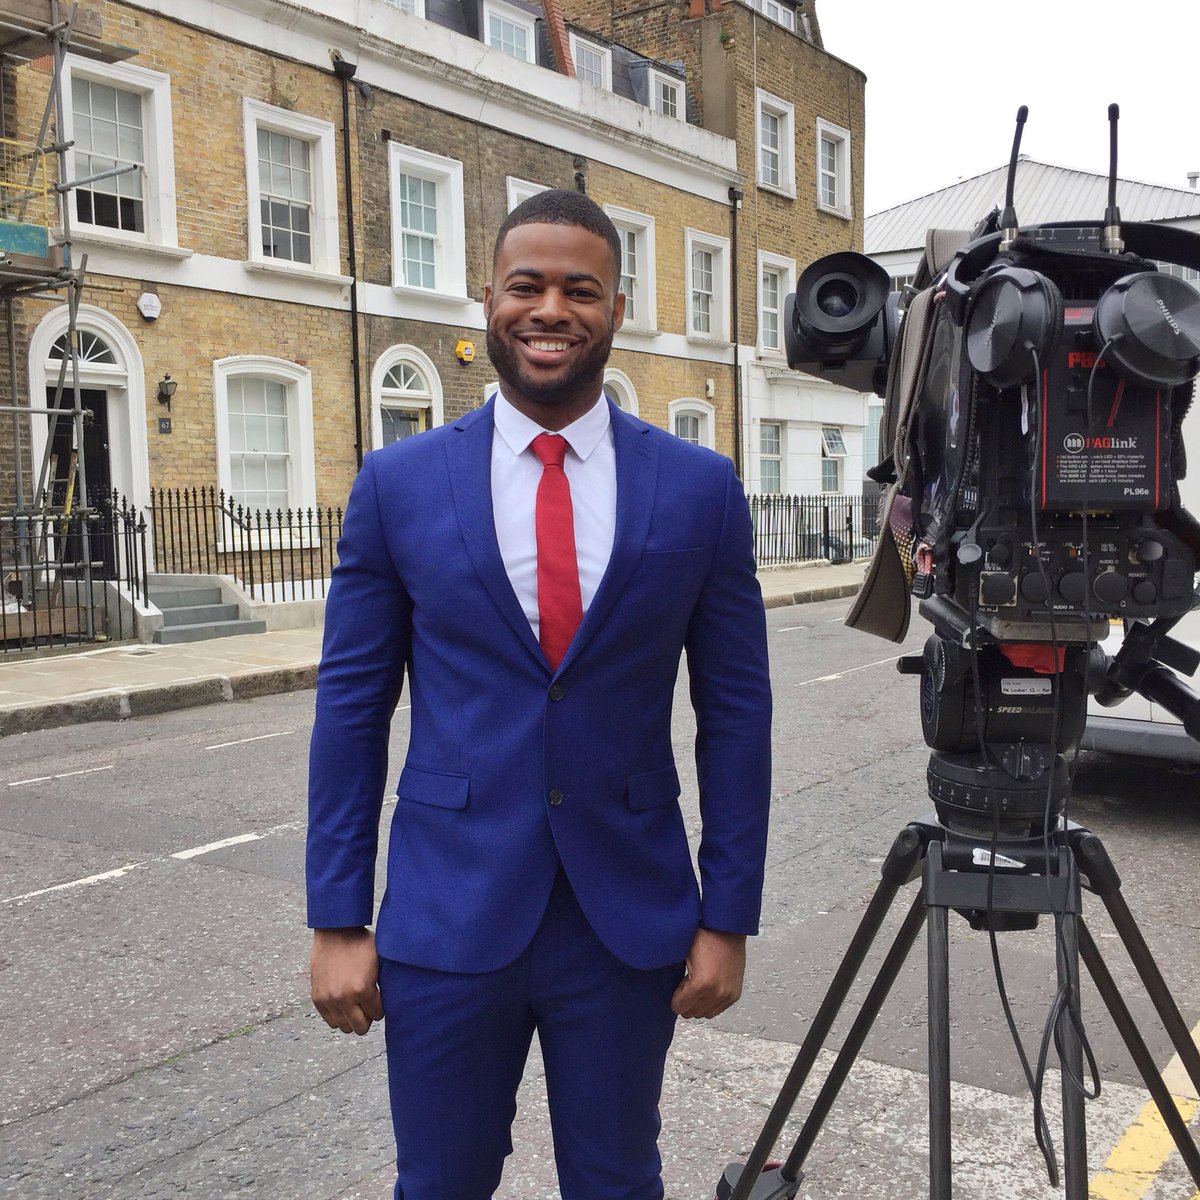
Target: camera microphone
[(1110, 238), (1008, 218)]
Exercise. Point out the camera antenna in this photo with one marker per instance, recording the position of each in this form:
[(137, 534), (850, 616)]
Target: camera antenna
[(1110, 240), (1008, 218)]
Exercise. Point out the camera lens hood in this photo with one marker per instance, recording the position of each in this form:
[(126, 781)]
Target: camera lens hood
[(838, 299), (1148, 324)]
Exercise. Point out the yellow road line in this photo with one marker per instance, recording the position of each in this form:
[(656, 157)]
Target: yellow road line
[(1139, 1156)]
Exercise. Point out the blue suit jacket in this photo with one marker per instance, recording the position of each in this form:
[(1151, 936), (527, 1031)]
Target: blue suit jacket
[(476, 840)]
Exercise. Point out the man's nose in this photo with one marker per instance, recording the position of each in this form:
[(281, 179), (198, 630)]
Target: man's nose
[(552, 306)]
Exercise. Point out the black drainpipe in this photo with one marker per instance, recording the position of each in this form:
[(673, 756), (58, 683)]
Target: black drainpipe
[(345, 72), (735, 201)]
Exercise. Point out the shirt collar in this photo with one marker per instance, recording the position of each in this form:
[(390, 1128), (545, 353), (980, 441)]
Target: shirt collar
[(583, 434)]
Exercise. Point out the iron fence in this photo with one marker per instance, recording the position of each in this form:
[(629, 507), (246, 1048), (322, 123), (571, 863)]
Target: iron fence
[(70, 579), (791, 529), (273, 554)]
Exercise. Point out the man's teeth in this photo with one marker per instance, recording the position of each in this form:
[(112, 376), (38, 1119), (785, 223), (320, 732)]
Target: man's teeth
[(548, 345)]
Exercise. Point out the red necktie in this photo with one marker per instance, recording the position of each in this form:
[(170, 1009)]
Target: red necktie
[(560, 607)]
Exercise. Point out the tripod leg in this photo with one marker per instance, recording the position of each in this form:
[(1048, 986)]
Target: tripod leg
[(1071, 1050), (939, 1053), (1138, 1050), (905, 852), (878, 993), (1104, 881)]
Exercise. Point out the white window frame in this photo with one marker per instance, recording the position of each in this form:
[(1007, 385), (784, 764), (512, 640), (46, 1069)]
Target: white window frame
[(691, 407), (833, 449), (785, 114), (158, 200), (645, 298), (621, 388), (778, 457), (654, 77), (451, 265), (774, 11), (326, 239), (695, 239), (519, 190), (412, 356), (603, 52), (415, 8), (786, 269), (841, 138), (302, 482), (514, 16)]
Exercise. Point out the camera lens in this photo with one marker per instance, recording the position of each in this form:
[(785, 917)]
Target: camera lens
[(837, 297)]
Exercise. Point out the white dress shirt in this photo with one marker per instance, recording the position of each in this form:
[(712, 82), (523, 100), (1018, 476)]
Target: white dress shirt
[(591, 470)]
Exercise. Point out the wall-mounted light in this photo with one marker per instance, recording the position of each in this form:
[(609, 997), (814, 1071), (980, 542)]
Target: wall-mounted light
[(166, 389)]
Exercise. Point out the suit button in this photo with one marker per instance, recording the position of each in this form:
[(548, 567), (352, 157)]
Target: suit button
[(557, 691), (556, 797)]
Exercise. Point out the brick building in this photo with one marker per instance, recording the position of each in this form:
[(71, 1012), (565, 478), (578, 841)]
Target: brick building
[(227, 261)]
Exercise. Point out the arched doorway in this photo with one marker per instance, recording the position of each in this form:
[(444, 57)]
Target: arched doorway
[(112, 383)]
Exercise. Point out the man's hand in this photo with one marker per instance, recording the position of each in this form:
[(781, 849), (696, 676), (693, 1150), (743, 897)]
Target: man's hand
[(345, 979), (715, 966)]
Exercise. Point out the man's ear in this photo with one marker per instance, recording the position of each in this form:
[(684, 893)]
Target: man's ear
[(619, 311), (487, 301)]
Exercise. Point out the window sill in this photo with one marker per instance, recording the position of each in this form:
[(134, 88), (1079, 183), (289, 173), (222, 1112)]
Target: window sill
[(709, 339), (639, 331), (293, 271), (242, 543), (447, 298), (87, 236), (775, 190), (845, 213)]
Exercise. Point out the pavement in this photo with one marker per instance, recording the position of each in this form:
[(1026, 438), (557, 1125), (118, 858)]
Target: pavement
[(131, 679)]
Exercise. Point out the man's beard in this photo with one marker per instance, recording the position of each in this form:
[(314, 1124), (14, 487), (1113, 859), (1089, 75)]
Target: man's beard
[(587, 372)]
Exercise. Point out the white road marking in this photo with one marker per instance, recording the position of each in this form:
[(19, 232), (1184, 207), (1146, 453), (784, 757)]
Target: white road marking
[(196, 851), (792, 628), (850, 671), (77, 883), (288, 826), (64, 775), (260, 738)]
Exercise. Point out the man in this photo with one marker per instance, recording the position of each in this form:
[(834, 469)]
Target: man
[(539, 590)]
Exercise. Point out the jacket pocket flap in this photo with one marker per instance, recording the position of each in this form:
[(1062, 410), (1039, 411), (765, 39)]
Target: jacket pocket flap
[(431, 787), (649, 789)]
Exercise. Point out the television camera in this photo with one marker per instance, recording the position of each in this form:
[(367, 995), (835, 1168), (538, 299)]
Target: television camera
[(1035, 382)]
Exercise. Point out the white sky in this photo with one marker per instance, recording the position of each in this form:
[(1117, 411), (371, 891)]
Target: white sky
[(945, 79)]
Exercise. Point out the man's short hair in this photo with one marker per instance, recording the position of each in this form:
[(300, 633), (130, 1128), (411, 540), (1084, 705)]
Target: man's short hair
[(562, 206)]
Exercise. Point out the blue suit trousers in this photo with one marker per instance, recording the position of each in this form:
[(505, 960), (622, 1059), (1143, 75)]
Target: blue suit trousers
[(457, 1045)]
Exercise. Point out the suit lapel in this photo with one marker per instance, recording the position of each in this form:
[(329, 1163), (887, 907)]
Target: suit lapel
[(469, 459), (637, 480)]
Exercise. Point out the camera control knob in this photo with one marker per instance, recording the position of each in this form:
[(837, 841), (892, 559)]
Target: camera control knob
[(1072, 587), (1033, 588), (1148, 550), (996, 588), (1001, 554), (1110, 587), (1145, 592)]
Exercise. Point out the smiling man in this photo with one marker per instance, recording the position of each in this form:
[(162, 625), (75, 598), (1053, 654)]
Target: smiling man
[(538, 567)]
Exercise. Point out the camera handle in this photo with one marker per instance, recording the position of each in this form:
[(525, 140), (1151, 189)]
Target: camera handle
[(1077, 858)]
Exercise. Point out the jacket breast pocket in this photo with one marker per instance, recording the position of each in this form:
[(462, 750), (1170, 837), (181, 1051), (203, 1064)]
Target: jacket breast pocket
[(433, 787), (651, 789)]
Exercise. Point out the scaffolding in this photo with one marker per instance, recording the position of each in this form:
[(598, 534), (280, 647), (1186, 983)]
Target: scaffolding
[(51, 527)]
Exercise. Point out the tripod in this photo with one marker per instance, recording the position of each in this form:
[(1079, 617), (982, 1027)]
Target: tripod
[(1052, 874)]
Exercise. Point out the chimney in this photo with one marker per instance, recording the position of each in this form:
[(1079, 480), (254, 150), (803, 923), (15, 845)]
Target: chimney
[(556, 26), (1193, 179)]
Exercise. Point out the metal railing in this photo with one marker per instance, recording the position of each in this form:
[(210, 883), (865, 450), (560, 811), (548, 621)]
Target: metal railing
[(70, 579), (275, 555), (790, 529)]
